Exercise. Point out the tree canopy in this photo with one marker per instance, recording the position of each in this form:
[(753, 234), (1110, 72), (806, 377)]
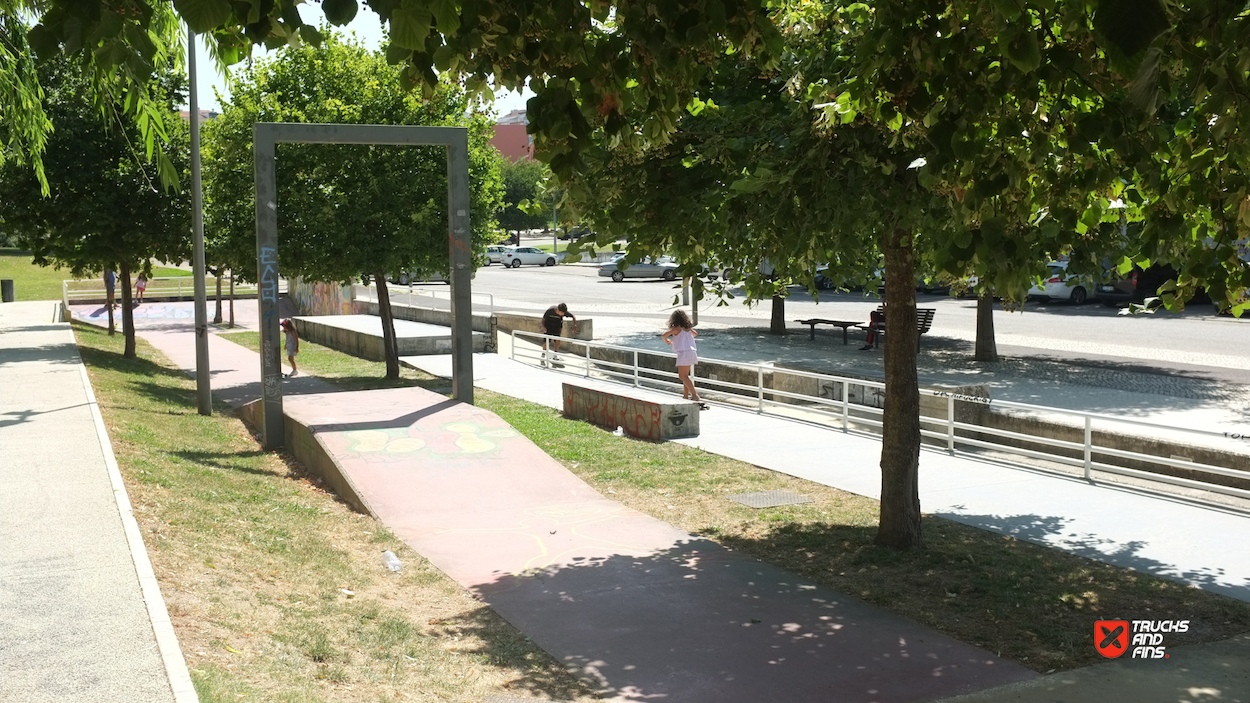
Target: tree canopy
[(522, 183), (105, 207)]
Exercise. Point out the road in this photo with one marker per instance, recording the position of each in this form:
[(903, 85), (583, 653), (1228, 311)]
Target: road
[(1195, 337)]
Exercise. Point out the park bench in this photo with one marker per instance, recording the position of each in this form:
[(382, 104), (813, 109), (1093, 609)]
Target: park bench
[(924, 322), (844, 324)]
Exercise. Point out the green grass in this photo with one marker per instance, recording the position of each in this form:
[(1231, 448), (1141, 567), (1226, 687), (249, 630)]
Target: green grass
[(31, 282), (563, 245), (167, 272), (253, 558), (1028, 603), (345, 371)]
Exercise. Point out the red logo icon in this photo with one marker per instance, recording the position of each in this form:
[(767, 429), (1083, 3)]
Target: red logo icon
[(1111, 637)]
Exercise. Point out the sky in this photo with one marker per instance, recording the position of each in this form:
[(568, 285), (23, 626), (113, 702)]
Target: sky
[(368, 28)]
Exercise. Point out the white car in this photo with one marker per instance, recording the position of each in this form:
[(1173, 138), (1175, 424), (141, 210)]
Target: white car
[(494, 254), (662, 267), (515, 256), (1060, 285)]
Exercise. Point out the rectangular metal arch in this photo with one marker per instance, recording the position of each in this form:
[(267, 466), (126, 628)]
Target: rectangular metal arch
[(264, 137)]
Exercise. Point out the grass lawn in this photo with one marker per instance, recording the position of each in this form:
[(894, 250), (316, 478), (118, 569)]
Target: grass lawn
[(277, 589), (167, 272), (31, 282), (1033, 605)]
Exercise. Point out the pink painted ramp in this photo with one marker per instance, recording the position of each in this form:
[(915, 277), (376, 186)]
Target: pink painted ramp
[(644, 610)]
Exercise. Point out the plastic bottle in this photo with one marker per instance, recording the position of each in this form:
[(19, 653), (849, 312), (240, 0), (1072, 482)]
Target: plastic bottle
[(392, 562)]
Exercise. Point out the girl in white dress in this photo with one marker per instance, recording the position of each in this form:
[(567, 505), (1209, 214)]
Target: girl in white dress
[(681, 336)]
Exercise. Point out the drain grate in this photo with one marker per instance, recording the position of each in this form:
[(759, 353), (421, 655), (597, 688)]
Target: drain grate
[(769, 499)]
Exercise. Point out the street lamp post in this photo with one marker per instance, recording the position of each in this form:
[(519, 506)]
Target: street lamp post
[(202, 379)]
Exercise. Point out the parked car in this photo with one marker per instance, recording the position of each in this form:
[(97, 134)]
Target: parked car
[(1137, 286), (662, 267), (1060, 285), (515, 256), (403, 278), (494, 254)]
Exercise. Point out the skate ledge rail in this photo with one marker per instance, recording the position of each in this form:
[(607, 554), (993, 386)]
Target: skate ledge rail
[(953, 418)]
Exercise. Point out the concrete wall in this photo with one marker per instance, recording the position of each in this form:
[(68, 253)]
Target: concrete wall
[(644, 419), (307, 447), (434, 316), (317, 298), (509, 321), (368, 346)]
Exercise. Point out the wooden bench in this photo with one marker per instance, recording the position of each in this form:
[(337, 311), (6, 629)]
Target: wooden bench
[(924, 322), (844, 324)]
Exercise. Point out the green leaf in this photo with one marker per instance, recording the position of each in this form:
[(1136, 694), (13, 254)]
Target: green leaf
[(409, 28), (203, 16), (396, 55), (310, 34), (340, 12), (1023, 52), (447, 15), (1130, 25), (859, 12)]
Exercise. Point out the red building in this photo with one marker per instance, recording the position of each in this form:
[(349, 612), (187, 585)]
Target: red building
[(511, 138)]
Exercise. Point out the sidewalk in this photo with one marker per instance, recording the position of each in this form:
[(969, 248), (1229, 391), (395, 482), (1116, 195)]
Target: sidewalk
[(81, 615), (1203, 547)]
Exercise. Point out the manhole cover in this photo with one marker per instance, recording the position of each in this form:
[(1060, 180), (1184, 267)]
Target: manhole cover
[(769, 499)]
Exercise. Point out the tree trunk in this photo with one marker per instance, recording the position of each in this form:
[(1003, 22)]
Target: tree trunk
[(232, 299), (987, 348), (900, 436), (778, 323), (217, 315), (128, 312), (109, 304), (388, 327)]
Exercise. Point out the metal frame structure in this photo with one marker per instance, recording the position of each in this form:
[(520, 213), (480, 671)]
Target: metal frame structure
[(265, 135)]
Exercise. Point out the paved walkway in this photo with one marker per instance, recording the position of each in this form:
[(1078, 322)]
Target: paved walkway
[(81, 616), (641, 608), (1166, 538)]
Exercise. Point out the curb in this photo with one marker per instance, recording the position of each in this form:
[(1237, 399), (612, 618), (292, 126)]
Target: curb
[(162, 626)]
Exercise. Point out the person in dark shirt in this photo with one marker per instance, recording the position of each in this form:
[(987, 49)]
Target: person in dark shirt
[(553, 325)]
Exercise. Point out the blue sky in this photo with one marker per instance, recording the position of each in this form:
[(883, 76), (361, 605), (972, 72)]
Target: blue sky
[(368, 28)]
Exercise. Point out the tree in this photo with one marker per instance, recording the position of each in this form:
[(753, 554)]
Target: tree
[(587, 62), (104, 207), (346, 212), (942, 134), (522, 183)]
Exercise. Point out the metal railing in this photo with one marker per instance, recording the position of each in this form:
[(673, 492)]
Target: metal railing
[(948, 432), (159, 287), (434, 294)]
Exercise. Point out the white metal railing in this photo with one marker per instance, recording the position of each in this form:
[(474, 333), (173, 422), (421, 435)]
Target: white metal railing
[(841, 411), (159, 287), (410, 289)]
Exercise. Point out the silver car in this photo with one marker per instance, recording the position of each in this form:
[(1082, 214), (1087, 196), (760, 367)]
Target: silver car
[(662, 267), (515, 256), (494, 254)]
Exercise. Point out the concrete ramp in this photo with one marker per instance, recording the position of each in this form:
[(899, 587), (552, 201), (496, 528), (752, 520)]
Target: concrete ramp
[(642, 609)]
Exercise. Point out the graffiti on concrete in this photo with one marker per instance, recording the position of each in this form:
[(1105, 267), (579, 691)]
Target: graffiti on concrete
[(316, 298), (638, 418), (455, 438)]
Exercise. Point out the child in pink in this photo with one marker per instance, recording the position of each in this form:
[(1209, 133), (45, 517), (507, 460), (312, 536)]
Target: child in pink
[(681, 336)]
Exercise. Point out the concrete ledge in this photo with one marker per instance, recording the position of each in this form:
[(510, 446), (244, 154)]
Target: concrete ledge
[(361, 335), (509, 321), (642, 414), (308, 448)]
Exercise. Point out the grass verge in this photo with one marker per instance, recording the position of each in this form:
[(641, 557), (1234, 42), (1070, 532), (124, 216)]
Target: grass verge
[(344, 371), (31, 282), (1028, 603), (276, 589)]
